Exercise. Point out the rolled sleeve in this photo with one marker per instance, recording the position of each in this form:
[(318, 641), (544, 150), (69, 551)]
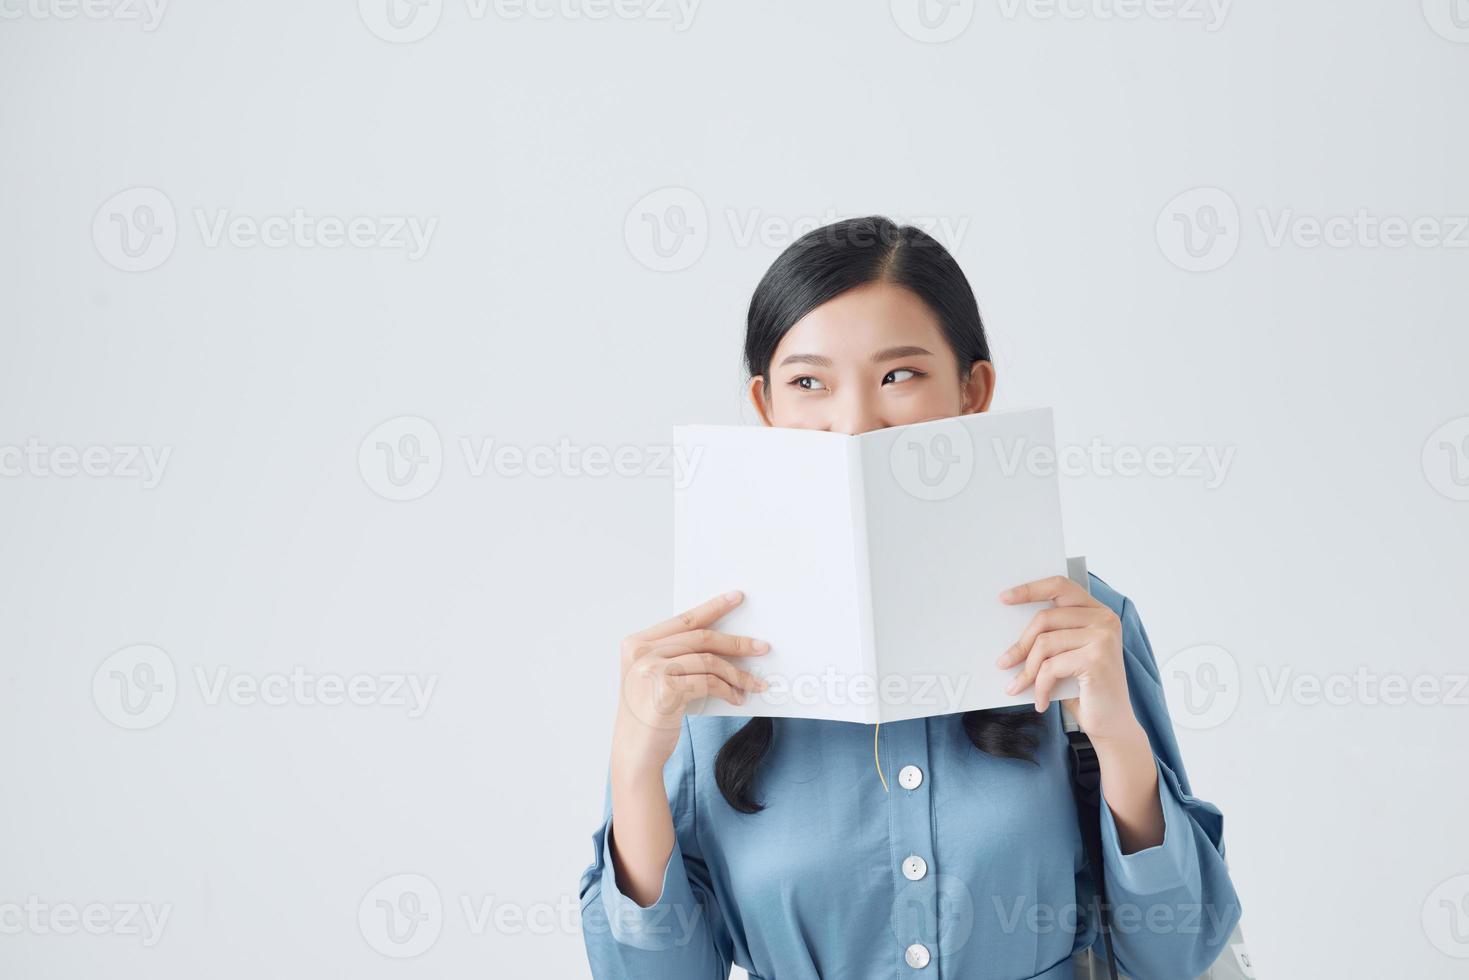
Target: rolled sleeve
[(681, 936), (1173, 905), (1170, 864), (671, 921)]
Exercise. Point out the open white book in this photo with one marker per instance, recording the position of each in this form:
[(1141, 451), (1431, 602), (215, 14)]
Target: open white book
[(872, 564)]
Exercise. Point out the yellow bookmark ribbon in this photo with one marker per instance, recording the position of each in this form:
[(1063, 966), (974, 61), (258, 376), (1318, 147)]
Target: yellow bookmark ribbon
[(877, 761)]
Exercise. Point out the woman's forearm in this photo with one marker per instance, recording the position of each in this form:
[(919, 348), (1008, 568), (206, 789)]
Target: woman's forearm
[(642, 832), (1130, 786)]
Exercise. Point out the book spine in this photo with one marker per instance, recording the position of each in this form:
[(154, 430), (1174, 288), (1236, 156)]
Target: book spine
[(867, 635)]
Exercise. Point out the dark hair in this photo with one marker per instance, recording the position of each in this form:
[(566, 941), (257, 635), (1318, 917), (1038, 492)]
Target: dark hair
[(820, 266)]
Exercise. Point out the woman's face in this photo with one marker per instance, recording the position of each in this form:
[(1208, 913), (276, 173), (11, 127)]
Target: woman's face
[(872, 357)]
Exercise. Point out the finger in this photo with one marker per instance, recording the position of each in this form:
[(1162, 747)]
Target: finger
[(1049, 644), (704, 614), (713, 641), (1062, 665), (1058, 588), (695, 686), (707, 663), (1053, 618)]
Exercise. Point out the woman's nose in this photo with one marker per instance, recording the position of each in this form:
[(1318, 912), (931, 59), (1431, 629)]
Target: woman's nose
[(856, 416)]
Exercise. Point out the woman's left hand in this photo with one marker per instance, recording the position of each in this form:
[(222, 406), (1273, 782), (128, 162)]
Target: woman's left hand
[(1077, 637)]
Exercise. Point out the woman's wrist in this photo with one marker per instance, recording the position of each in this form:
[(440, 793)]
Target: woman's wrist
[(1131, 738)]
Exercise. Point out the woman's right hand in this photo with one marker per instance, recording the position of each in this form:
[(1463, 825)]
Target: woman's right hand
[(666, 666)]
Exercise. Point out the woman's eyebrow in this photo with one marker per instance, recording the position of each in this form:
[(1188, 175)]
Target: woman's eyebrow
[(818, 359), (892, 353), (895, 352)]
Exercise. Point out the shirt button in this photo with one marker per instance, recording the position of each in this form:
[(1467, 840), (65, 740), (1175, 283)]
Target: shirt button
[(917, 956), (914, 867), (910, 777)]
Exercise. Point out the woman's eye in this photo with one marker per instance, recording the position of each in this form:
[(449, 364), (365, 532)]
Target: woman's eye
[(808, 383), (899, 374)]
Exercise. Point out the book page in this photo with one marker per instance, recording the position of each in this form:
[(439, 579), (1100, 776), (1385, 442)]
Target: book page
[(957, 511), (768, 511)]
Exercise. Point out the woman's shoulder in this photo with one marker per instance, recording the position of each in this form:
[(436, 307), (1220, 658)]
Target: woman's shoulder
[(1134, 637), (1106, 594)]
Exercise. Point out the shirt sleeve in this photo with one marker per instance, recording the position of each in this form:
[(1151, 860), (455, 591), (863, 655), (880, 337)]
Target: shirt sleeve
[(1173, 904), (681, 936)]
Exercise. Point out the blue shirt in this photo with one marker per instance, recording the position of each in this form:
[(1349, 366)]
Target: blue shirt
[(968, 866)]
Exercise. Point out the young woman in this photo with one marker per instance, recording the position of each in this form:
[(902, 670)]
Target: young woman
[(778, 845)]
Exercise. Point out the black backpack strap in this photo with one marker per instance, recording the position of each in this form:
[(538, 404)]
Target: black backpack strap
[(1086, 785)]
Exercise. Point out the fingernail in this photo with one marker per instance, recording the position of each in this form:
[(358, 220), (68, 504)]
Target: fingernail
[(1007, 595), (733, 596), (759, 646), (1014, 686)]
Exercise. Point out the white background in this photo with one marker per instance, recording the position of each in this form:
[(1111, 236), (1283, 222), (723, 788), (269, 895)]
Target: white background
[(1051, 144)]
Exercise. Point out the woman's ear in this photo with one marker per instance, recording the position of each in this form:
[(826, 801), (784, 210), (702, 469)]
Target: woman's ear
[(979, 387), (757, 398)]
